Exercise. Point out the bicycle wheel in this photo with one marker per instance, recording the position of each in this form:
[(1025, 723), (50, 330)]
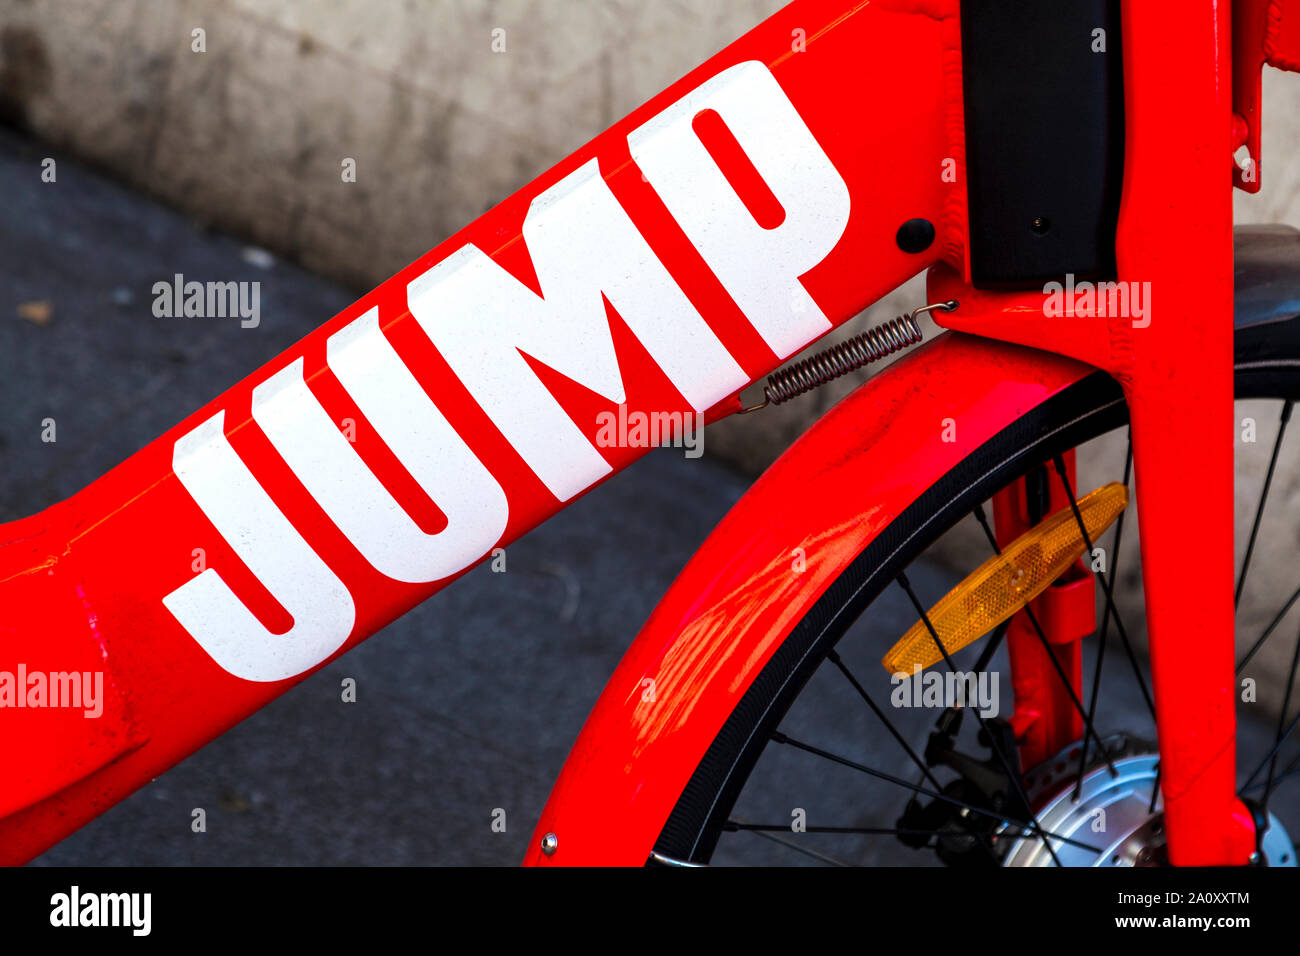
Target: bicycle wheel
[(960, 793)]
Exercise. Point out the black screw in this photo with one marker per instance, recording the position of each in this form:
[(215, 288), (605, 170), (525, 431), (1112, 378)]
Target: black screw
[(915, 235)]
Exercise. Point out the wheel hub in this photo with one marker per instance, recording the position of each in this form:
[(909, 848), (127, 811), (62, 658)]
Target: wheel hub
[(1113, 820)]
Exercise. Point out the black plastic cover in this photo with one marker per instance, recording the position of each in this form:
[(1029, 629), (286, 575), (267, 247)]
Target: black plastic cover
[(1044, 138)]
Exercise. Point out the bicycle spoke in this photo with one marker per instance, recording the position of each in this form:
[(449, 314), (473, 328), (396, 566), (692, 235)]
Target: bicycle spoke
[(1281, 719), (781, 738), (834, 657), (1088, 730), (805, 850), (1263, 497), (1013, 777), (1281, 778), (991, 648), (1254, 648), (1292, 769), (1272, 754), (1293, 766), (737, 826), (1111, 612), (1116, 541), (838, 661)]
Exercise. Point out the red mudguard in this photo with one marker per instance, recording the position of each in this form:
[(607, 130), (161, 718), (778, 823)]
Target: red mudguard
[(830, 494)]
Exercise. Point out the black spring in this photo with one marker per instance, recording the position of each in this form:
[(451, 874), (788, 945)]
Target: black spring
[(847, 356)]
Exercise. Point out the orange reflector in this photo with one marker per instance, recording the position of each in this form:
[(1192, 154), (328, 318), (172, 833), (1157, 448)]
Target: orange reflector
[(1006, 582)]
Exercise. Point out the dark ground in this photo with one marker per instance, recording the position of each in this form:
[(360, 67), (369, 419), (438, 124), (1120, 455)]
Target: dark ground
[(466, 705)]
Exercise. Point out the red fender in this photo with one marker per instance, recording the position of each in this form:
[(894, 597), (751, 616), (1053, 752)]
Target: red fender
[(738, 598)]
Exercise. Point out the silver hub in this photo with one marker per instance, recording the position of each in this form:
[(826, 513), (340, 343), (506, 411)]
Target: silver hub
[(1113, 821)]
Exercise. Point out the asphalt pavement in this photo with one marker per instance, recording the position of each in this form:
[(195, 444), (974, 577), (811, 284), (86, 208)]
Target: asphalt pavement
[(467, 706)]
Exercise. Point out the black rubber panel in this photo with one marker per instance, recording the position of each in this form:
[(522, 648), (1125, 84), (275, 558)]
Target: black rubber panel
[(1044, 138)]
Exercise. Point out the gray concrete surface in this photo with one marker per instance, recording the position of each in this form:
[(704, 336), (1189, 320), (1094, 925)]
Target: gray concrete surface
[(444, 115), (466, 705)]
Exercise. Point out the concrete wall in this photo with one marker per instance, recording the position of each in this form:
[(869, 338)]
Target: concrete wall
[(250, 134)]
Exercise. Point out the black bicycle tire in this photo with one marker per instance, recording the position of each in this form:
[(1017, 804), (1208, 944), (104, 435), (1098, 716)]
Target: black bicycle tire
[(1267, 366)]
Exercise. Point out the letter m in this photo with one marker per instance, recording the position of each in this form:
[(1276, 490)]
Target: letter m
[(585, 250)]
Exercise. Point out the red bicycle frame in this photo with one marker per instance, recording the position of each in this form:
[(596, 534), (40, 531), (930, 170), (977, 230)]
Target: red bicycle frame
[(720, 228)]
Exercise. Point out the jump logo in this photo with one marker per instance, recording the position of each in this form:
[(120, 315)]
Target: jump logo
[(479, 317)]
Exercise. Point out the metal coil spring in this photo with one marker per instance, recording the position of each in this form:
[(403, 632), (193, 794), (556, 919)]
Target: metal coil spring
[(845, 357)]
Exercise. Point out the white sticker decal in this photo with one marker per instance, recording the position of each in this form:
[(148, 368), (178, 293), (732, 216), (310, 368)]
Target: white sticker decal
[(759, 267), (257, 530), (582, 244)]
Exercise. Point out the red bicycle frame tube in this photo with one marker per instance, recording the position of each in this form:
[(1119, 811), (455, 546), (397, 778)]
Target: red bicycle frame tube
[(734, 218), (1178, 89), (1045, 720), (1175, 364), (243, 518)]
